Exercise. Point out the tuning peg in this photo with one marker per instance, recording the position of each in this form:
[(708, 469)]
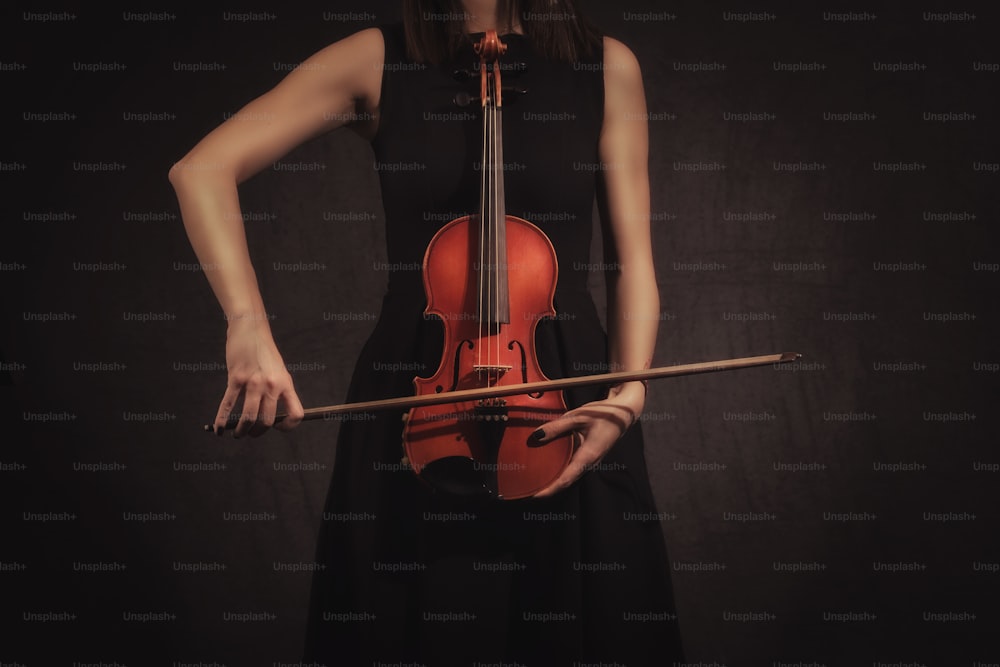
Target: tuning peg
[(465, 99)]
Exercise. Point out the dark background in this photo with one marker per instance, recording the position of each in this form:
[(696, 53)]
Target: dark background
[(886, 378)]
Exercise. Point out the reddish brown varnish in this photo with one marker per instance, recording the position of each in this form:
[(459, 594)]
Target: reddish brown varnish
[(490, 278)]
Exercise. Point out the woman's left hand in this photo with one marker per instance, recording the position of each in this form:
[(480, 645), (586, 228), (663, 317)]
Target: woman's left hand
[(598, 425)]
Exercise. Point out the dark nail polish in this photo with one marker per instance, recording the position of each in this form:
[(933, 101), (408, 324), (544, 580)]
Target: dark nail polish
[(537, 435), (219, 431)]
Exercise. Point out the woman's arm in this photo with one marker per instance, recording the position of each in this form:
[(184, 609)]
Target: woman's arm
[(623, 201), (323, 93), (633, 299)]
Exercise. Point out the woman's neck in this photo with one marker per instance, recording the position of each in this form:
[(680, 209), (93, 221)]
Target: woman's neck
[(482, 16)]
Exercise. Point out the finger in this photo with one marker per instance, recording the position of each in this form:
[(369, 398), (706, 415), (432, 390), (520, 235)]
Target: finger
[(558, 427), (251, 406), (293, 411), (584, 420), (572, 472), (226, 407), (580, 462), (265, 416)]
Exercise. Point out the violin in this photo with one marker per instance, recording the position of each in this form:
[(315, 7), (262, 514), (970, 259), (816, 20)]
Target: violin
[(489, 308), (468, 426)]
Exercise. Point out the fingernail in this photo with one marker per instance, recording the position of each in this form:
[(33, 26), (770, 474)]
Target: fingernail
[(219, 431), (537, 435)]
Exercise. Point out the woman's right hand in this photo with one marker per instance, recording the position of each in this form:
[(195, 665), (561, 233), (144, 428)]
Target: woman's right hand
[(258, 374), (335, 86)]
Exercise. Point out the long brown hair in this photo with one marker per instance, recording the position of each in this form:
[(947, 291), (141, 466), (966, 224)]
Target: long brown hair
[(435, 29)]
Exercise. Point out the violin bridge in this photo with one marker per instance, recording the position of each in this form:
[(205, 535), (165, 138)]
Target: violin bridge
[(490, 374)]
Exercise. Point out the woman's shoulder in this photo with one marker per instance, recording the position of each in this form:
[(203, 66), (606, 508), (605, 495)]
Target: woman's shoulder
[(619, 57), (393, 37), (361, 48)]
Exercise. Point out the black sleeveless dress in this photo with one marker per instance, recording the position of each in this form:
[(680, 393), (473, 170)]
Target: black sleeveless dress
[(412, 577)]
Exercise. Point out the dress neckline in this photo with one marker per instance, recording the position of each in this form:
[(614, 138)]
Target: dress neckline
[(482, 33)]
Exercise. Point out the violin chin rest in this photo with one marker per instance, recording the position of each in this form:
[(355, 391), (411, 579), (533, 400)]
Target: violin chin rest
[(458, 475)]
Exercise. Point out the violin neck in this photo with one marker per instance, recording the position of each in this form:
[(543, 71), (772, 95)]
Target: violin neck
[(493, 296)]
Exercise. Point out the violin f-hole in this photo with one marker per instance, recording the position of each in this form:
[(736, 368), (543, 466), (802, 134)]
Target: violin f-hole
[(457, 365)]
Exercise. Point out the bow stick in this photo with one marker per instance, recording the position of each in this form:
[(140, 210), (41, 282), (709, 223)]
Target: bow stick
[(407, 402)]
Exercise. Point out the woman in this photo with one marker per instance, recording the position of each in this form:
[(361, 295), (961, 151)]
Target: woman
[(578, 573)]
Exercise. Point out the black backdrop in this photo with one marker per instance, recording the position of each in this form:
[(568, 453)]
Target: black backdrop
[(823, 181)]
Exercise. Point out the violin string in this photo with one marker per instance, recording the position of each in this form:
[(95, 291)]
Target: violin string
[(494, 304), (500, 245), (494, 312), (482, 237), (489, 226), (501, 230), (489, 230)]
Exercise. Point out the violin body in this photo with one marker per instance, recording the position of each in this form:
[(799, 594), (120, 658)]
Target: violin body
[(490, 308), (484, 446)]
